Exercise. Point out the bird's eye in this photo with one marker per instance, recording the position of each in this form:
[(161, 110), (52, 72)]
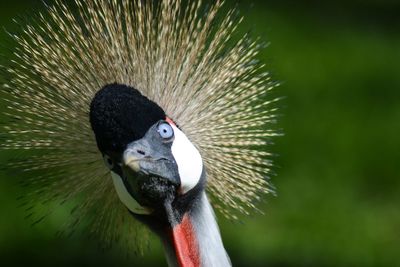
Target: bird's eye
[(165, 130), (109, 162)]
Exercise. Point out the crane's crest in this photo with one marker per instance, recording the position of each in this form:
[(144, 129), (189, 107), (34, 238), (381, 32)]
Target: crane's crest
[(184, 57)]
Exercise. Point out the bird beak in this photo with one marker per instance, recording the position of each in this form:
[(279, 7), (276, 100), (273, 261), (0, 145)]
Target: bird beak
[(131, 160), (147, 158), (149, 172)]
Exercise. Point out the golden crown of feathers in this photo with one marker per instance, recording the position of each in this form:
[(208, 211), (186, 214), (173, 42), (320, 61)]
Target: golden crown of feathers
[(183, 56)]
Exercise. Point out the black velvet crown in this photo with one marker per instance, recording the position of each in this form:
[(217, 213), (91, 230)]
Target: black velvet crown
[(119, 115)]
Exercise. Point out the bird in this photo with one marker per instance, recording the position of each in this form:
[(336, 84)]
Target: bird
[(144, 115)]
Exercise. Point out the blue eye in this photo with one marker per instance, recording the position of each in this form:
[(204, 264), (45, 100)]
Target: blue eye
[(165, 130)]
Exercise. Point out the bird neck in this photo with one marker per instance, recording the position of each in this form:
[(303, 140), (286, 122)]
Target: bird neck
[(196, 241)]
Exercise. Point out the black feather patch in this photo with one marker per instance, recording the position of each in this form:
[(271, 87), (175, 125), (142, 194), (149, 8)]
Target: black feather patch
[(119, 115)]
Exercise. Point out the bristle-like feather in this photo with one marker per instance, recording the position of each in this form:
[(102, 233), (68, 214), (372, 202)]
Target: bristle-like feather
[(176, 55)]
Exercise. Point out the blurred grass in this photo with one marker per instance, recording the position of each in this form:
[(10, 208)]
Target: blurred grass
[(337, 171)]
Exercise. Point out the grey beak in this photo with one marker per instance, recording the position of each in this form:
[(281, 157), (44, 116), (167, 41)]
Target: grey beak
[(153, 159), (134, 153)]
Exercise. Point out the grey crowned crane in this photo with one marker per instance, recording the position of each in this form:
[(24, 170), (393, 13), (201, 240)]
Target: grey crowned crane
[(158, 174), (134, 110)]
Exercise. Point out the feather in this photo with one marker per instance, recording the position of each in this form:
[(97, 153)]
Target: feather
[(185, 57)]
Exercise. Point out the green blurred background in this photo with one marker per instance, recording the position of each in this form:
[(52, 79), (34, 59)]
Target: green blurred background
[(337, 166)]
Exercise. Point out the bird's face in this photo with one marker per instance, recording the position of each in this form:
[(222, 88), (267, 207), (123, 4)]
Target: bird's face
[(149, 167), (163, 164), (151, 160)]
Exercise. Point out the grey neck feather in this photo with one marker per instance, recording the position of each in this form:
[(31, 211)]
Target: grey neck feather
[(211, 248)]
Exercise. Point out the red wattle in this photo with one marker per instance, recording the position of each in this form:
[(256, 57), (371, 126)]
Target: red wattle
[(185, 244)]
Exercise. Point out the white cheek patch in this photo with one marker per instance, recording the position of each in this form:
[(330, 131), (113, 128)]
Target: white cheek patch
[(126, 198), (188, 159)]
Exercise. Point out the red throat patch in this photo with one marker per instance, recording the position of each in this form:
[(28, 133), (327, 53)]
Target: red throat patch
[(185, 244)]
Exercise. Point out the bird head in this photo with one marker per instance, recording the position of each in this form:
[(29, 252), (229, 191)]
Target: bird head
[(152, 162), (183, 56)]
